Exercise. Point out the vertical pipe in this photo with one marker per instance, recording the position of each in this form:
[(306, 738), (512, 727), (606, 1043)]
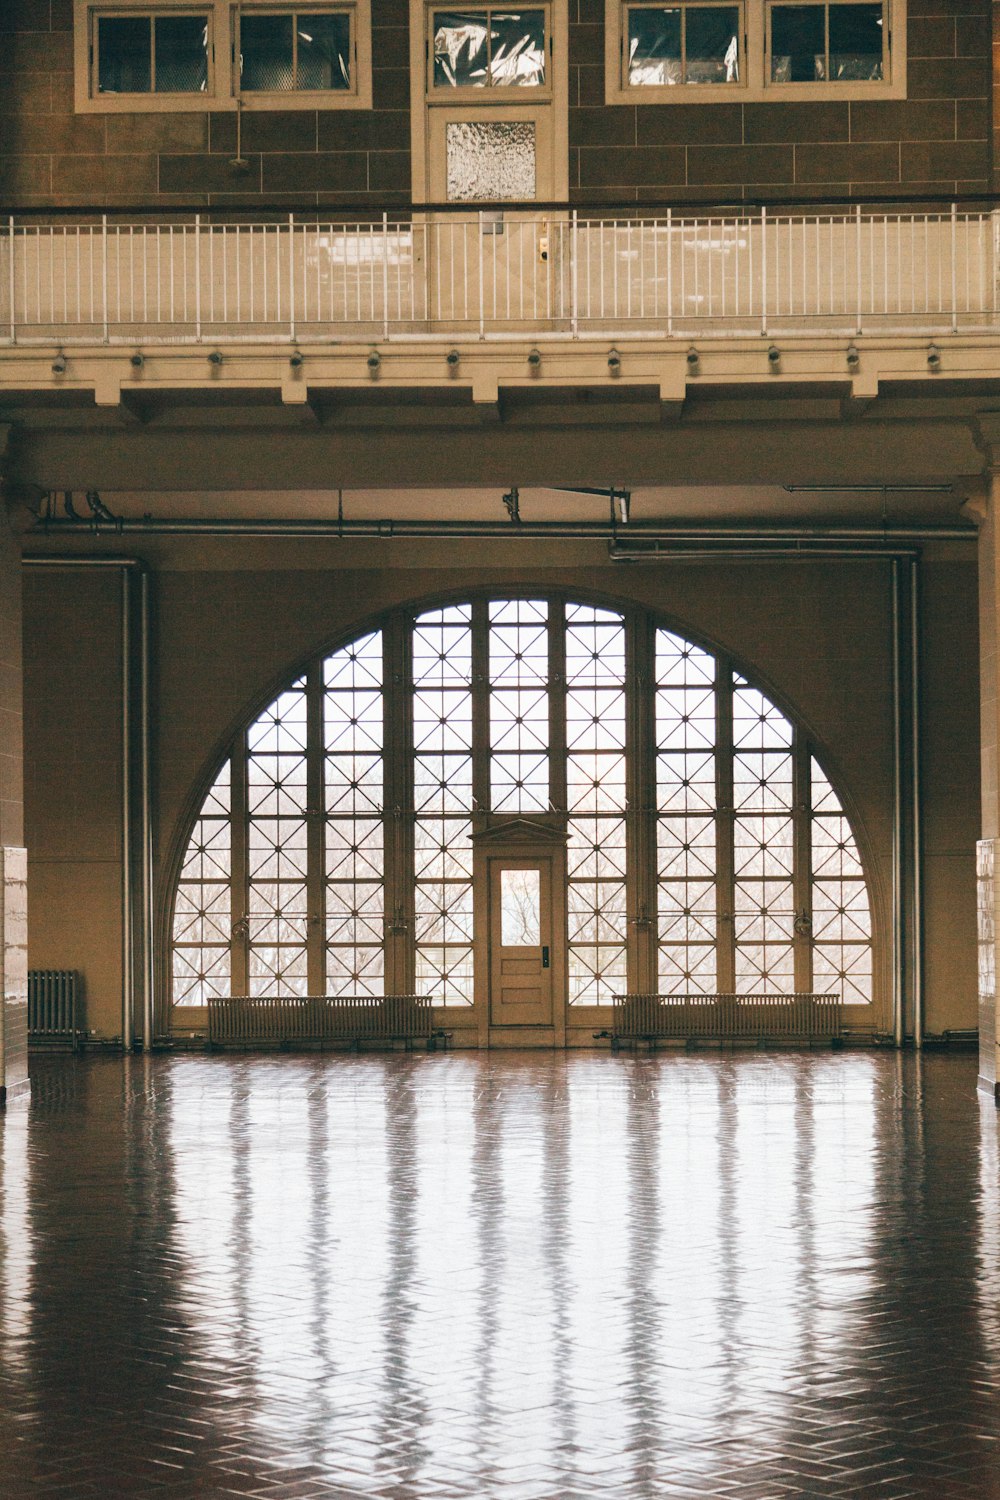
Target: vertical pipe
[(104, 252), (291, 277), (197, 276), (146, 863), (763, 271), (954, 268), (917, 981), (128, 914), (575, 277), (385, 276), (898, 907), (13, 319)]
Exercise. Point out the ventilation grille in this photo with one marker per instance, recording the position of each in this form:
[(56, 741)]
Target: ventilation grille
[(52, 1005), (726, 1017), (352, 1018)]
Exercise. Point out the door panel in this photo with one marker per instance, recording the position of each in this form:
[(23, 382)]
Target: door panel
[(520, 936)]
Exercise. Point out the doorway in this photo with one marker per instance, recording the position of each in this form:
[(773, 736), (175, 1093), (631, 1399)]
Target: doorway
[(520, 938)]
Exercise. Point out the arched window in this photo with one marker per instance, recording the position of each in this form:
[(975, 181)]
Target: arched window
[(706, 848)]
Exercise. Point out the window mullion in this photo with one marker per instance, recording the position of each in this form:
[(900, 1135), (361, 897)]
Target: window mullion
[(558, 796), (801, 861), (239, 870), (315, 833), (640, 826), (725, 832), (400, 911), (480, 709)]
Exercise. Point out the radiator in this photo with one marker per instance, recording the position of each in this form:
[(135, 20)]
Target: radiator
[(346, 1018), (726, 1017), (52, 1005)]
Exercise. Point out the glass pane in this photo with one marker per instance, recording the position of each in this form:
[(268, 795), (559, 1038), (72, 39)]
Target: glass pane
[(517, 48), (856, 42), (654, 46), (520, 900), (266, 52), (324, 52), (798, 43), (712, 44), (181, 54), (123, 55), (461, 51), (489, 161)]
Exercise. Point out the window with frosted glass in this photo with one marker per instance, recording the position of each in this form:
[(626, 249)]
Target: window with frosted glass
[(324, 847), (519, 705), (353, 738), (686, 812), (202, 928), (276, 913), (596, 804), (442, 802)]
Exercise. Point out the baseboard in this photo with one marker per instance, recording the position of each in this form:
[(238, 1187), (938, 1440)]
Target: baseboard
[(988, 1086), (13, 1092)]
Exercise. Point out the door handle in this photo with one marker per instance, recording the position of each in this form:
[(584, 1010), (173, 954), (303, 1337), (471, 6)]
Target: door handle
[(545, 958)]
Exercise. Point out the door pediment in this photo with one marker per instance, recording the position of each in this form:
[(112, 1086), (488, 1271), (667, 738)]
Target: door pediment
[(517, 829)]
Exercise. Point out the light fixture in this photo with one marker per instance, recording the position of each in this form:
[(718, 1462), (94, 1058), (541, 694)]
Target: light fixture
[(934, 357), (693, 357), (452, 359), (374, 361), (216, 357), (534, 360), (614, 362), (137, 361), (59, 364), (297, 359), (774, 356), (853, 356)]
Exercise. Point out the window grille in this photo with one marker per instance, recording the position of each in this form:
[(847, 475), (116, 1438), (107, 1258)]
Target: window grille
[(707, 849)]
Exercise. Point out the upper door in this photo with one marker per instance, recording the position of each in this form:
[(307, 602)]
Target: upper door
[(490, 103)]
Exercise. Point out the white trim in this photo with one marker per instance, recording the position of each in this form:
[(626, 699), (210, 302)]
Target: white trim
[(754, 87)]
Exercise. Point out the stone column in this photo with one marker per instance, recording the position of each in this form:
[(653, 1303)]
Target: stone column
[(13, 857)]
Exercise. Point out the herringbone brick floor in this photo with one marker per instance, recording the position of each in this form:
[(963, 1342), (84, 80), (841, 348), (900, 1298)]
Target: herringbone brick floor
[(501, 1277)]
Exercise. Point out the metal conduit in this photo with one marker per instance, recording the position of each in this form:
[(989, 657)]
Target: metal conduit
[(633, 532), (137, 853)]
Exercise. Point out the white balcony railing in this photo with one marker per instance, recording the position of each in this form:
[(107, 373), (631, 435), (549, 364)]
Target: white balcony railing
[(488, 275)]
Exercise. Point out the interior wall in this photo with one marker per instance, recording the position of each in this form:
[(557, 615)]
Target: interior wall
[(73, 781), (816, 635)]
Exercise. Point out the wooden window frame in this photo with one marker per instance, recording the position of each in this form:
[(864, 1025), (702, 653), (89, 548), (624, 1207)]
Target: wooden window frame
[(755, 58), (223, 92)]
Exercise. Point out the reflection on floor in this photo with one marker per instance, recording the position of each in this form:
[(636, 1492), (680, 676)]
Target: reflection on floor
[(515, 1276)]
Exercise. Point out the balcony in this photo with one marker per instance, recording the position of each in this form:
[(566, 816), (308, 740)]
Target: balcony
[(496, 276)]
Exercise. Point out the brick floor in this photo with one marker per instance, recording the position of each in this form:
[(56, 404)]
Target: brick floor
[(512, 1275)]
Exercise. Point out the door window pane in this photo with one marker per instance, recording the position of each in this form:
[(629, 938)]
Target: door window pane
[(181, 54), (266, 44), (798, 43), (520, 899), (124, 57), (856, 42), (324, 52)]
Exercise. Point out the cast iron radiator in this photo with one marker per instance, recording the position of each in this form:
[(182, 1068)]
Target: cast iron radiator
[(52, 1006), (246, 1020), (638, 1018)]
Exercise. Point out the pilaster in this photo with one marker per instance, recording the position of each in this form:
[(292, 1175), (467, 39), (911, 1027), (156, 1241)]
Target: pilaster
[(13, 858)]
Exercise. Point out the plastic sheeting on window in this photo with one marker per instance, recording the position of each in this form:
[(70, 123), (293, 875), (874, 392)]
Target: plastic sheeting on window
[(489, 49), (689, 44), (801, 53)]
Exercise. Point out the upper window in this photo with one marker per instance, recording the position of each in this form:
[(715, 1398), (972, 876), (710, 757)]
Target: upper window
[(488, 49), (282, 50), (221, 54), (159, 54), (683, 44), (841, 42), (757, 49)]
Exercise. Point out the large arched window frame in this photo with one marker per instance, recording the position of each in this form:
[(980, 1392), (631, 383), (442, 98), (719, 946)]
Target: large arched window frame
[(707, 848)]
